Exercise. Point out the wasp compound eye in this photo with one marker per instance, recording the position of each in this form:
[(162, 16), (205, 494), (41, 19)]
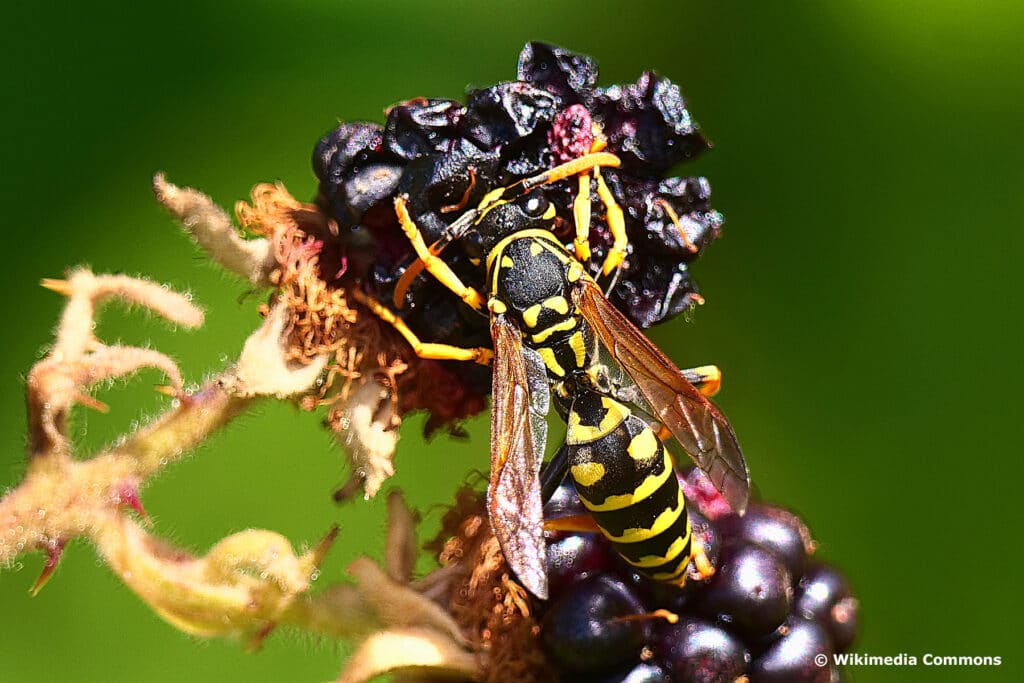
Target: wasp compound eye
[(534, 205)]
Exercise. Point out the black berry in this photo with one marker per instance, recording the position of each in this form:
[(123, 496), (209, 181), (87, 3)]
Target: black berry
[(751, 592), (791, 658), (585, 630), (699, 651), (823, 595), (777, 530), (576, 557)]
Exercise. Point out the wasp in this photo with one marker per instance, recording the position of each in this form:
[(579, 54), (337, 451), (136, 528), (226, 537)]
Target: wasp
[(558, 340)]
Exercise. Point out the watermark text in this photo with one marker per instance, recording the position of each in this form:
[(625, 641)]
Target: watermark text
[(906, 659)]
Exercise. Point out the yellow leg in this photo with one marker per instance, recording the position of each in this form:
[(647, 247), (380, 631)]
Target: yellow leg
[(572, 524), (616, 225), (434, 265), (701, 563), (707, 379), (427, 257), (581, 215), (581, 206), (424, 349), (461, 204), (699, 566), (670, 617)]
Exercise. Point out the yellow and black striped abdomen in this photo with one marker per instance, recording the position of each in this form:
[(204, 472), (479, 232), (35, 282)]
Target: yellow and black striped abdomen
[(625, 477)]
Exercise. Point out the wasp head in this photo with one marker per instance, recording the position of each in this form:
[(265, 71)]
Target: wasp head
[(503, 217)]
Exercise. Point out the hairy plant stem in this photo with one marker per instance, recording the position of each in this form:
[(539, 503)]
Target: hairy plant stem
[(253, 580), (61, 498)]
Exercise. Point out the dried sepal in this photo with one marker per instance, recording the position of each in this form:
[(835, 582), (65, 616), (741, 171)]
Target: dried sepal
[(87, 291), (263, 368), (62, 498), (320, 313), (366, 360), (116, 361), (396, 604), (211, 228), (78, 497), (478, 590), (400, 547), (339, 611), (78, 360), (54, 549), (410, 650), (254, 580), (246, 581), (193, 418), (127, 497), (366, 425), (58, 382), (417, 638)]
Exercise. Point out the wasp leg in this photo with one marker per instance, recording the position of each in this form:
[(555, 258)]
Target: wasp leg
[(464, 200), (707, 379), (581, 205), (616, 225), (582, 167), (581, 216), (572, 524), (554, 472), (454, 232), (434, 265), (424, 349), (703, 569), (670, 617), (699, 567)]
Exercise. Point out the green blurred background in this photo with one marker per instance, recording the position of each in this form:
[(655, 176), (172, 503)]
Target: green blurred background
[(863, 301)]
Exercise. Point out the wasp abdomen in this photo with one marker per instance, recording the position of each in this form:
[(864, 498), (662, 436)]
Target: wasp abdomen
[(625, 478)]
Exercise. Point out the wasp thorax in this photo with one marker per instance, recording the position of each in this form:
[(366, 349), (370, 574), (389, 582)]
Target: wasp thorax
[(532, 279)]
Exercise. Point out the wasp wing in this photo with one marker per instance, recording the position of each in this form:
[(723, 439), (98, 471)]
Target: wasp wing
[(518, 433), (692, 419)]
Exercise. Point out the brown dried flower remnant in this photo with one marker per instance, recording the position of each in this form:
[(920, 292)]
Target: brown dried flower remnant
[(490, 606), (332, 352), (320, 316), (368, 363)]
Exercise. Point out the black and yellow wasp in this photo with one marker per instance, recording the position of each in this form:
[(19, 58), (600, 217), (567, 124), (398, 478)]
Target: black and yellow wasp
[(550, 321)]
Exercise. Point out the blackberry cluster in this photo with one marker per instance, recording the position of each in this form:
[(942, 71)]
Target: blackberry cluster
[(446, 155), (765, 614)]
